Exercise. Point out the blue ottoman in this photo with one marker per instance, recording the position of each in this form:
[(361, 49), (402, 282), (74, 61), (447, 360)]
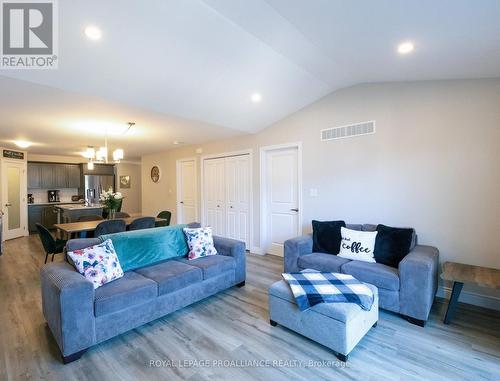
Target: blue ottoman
[(338, 326)]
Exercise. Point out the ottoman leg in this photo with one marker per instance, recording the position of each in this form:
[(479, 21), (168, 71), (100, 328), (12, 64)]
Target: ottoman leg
[(273, 323), (342, 357)]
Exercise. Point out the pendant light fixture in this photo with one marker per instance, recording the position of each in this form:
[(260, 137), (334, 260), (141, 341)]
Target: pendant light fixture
[(101, 155)]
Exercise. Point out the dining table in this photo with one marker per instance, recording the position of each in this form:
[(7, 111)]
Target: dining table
[(77, 228)]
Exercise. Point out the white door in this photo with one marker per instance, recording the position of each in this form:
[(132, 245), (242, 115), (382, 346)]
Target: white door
[(237, 173), (215, 195), (14, 195), (187, 208), (281, 198)]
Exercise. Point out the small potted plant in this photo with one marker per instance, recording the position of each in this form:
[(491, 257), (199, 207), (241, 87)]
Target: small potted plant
[(111, 201)]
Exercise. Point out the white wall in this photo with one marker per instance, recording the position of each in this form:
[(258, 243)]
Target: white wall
[(434, 163)]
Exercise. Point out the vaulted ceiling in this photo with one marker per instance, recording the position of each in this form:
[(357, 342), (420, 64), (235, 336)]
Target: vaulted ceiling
[(186, 69)]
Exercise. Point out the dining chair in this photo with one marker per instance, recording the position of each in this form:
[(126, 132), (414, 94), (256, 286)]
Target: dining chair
[(90, 217), (109, 227), (122, 215), (166, 215), (50, 244), (142, 223)]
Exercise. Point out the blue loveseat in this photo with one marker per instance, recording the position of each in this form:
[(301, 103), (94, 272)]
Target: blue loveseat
[(80, 317), (408, 290)]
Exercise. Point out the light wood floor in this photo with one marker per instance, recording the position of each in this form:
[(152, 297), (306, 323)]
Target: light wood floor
[(234, 326)]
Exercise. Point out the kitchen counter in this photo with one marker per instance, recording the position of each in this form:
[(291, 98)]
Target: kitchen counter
[(55, 203), (79, 206)]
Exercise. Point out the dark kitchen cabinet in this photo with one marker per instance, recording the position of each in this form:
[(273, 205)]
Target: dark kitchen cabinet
[(34, 176), (47, 176), (74, 176), (34, 216), (53, 176), (60, 176), (49, 217)]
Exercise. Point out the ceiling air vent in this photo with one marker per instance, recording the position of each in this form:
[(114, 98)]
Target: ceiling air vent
[(349, 131)]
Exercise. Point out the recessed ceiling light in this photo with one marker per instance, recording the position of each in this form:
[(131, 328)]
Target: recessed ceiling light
[(176, 142), (93, 32), (256, 98), (406, 47), (22, 143)]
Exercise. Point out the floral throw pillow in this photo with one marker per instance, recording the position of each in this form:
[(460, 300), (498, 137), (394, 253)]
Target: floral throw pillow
[(200, 242), (98, 264)]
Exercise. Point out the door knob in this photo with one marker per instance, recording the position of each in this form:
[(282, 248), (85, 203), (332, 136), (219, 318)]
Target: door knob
[(294, 210), (8, 204), (231, 207), (218, 206), (182, 202)]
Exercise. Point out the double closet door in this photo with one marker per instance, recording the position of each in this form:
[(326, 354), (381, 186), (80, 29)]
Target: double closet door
[(226, 191)]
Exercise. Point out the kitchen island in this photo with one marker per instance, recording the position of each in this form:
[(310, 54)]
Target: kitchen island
[(71, 213)]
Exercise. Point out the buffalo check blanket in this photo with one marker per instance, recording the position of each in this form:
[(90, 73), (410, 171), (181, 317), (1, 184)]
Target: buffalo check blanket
[(311, 288)]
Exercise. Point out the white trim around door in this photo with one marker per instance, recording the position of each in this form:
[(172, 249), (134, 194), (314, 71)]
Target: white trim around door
[(180, 218), (203, 159), (264, 228), (19, 201)]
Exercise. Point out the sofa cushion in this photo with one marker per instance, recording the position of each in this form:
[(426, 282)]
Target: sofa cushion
[(322, 262), (130, 290), (354, 226), (98, 264), (392, 244), (374, 273), (212, 265), (326, 236), (171, 275), (200, 242), (357, 245)]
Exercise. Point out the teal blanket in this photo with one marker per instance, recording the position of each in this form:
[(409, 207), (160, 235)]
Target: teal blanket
[(139, 248)]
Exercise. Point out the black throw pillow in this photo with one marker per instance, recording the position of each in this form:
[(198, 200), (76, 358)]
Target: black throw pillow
[(326, 236), (392, 244)]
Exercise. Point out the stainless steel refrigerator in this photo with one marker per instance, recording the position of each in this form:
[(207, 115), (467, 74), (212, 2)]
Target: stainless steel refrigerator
[(95, 185)]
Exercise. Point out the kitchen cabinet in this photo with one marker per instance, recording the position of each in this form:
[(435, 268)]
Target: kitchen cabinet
[(47, 176), (53, 176), (34, 216), (49, 216), (34, 175), (74, 175), (60, 176)]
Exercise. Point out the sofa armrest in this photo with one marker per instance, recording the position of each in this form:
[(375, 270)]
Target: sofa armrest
[(294, 248), (235, 249), (418, 273), (68, 307)]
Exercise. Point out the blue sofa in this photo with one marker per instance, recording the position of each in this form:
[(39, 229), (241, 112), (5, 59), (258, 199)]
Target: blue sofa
[(408, 290), (80, 317)]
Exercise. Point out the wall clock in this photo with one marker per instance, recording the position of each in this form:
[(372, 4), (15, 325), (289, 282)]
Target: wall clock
[(155, 173)]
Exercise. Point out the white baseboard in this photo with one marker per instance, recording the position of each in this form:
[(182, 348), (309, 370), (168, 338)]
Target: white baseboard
[(486, 301)]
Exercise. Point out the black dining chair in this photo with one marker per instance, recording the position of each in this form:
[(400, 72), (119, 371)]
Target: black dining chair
[(166, 215), (142, 223), (90, 217), (50, 244), (109, 227)]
